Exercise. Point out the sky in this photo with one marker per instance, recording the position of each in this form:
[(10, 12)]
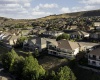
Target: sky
[(32, 9)]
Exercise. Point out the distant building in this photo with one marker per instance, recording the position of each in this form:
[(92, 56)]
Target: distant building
[(97, 25), (95, 35), (77, 34), (52, 33)]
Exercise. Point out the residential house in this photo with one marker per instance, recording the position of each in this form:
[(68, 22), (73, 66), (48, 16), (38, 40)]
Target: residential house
[(73, 27), (77, 34), (94, 57), (87, 46), (63, 48), (3, 78), (89, 28), (36, 43), (10, 40), (97, 25), (4, 34), (95, 35), (25, 32), (52, 33)]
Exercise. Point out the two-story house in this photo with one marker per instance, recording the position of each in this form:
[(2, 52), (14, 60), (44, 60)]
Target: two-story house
[(94, 57), (36, 43), (63, 48)]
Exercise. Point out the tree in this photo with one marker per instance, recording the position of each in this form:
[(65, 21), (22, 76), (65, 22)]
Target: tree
[(18, 66), (20, 41), (65, 73), (36, 53), (8, 60), (31, 69), (63, 36)]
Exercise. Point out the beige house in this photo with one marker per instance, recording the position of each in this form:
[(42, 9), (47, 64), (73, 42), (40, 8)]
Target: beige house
[(63, 48), (10, 40), (73, 27), (84, 46), (97, 25)]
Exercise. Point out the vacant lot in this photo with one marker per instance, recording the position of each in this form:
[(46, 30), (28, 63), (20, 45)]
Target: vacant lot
[(51, 62)]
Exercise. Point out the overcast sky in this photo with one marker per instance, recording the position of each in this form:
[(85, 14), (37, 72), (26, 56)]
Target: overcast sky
[(31, 9)]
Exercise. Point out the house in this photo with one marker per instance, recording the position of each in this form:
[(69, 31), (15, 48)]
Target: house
[(87, 46), (95, 35), (3, 78), (73, 27), (25, 32), (77, 34), (97, 25), (4, 34), (52, 33), (94, 57), (63, 48), (89, 28), (36, 43), (10, 40)]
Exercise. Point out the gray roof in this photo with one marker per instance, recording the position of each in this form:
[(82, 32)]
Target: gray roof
[(40, 41), (87, 44), (67, 44), (95, 52), (53, 32), (84, 33)]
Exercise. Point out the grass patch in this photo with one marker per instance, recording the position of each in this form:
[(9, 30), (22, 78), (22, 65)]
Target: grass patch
[(51, 62)]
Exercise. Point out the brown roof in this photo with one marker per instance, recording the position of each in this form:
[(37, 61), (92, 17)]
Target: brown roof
[(95, 52), (67, 44)]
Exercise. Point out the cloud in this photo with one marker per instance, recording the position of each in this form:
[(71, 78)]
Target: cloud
[(43, 9), (41, 13), (48, 5), (65, 10), (27, 4), (90, 1), (45, 6), (85, 8)]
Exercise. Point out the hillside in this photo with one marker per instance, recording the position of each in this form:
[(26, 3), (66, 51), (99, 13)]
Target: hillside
[(72, 15), (28, 22)]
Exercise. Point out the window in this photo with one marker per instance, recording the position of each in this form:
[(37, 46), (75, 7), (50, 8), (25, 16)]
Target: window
[(88, 61), (93, 62), (94, 57)]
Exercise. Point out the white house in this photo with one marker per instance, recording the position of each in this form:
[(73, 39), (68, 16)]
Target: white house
[(63, 48), (97, 25), (3, 35), (94, 57), (53, 33)]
